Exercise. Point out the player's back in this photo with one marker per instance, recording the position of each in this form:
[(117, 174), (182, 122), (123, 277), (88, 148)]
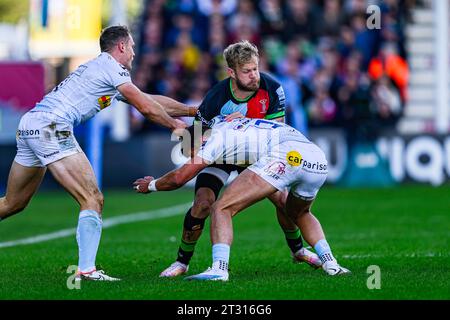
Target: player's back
[(243, 141), (87, 90)]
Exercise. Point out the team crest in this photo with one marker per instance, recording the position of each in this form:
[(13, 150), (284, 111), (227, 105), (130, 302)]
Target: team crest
[(276, 168), (263, 105), (104, 101)]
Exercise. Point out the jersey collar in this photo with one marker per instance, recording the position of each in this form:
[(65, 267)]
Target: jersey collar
[(236, 98)]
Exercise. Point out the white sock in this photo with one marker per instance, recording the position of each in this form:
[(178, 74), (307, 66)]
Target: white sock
[(221, 256), (89, 231), (323, 250)]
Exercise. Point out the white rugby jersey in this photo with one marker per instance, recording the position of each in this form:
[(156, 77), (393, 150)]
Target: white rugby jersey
[(89, 89), (244, 141)]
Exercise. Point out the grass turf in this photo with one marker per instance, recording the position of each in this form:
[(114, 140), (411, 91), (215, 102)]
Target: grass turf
[(404, 231)]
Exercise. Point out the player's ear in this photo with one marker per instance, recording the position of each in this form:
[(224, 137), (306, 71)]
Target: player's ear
[(122, 45), (231, 73)]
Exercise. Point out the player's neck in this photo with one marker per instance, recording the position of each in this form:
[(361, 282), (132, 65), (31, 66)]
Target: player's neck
[(116, 56), (239, 94)]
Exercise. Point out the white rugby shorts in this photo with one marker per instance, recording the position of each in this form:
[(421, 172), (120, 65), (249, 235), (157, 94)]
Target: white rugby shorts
[(43, 138), (300, 167)]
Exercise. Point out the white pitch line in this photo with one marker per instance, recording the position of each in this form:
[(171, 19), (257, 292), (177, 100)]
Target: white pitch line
[(107, 223), (399, 255)]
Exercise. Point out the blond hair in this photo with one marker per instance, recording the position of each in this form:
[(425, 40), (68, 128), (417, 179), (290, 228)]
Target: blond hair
[(240, 53)]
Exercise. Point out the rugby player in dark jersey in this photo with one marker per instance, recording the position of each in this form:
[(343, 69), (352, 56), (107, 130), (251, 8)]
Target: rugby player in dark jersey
[(255, 95)]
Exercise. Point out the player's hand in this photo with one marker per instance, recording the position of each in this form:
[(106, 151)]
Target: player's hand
[(234, 115), (141, 184), (180, 127)]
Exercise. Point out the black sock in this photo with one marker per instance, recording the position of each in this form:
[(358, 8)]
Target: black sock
[(185, 252), (294, 240)]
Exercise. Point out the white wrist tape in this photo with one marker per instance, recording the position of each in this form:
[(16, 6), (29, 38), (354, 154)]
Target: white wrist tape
[(152, 185)]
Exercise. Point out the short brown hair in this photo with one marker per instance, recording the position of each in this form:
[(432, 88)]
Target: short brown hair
[(240, 53), (112, 35)]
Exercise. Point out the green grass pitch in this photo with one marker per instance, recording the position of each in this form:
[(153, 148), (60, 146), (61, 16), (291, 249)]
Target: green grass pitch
[(405, 231)]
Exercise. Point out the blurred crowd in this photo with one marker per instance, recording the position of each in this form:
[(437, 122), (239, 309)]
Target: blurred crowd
[(336, 72)]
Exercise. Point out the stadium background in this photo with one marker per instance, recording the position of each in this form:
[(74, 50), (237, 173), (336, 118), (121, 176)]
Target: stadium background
[(367, 83)]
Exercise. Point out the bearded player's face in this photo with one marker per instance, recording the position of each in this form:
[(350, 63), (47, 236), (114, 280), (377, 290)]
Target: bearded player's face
[(247, 76)]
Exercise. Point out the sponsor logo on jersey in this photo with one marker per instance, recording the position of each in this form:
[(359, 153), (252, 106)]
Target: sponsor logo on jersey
[(314, 166), (104, 101), (275, 169), (27, 133), (294, 158), (124, 74), (50, 154)]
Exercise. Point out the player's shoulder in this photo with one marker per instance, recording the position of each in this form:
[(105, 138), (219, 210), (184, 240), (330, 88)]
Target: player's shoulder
[(105, 60), (217, 93), (220, 87), (269, 81)]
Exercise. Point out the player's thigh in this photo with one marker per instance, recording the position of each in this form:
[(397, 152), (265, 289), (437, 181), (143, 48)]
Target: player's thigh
[(213, 178), (75, 174), (247, 189), (296, 206), (279, 199), (23, 182), (208, 184)]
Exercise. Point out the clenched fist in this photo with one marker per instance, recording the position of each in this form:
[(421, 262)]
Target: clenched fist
[(141, 184)]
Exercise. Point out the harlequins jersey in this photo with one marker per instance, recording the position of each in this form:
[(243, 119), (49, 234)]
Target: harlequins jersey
[(268, 102)]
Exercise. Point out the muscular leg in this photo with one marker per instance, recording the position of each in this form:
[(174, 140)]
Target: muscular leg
[(204, 198), (247, 189), (290, 229), (207, 189), (75, 174), (23, 182), (300, 211), (194, 221), (244, 191)]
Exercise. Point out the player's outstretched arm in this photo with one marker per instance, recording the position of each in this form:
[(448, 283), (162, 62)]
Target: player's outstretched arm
[(173, 179), (148, 107), (173, 107)]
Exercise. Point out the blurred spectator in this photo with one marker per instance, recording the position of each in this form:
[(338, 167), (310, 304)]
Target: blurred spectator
[(184, 24), (386, 103), (222, 7), (244, 24), (334, 70), (272, 17), (330, 19), (299, 20), (290, 78), (391, 64), (357, 117), (366, 41), (321, 108)]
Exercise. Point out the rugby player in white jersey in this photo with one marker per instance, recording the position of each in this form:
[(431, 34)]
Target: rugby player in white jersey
[(45, 138), (253, 94), (278, 157)]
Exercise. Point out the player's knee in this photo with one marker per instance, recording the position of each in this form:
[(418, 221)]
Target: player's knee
[(13, 207), (220, 208), (95, 201), (192, 223), (100, 200), (202, 207)]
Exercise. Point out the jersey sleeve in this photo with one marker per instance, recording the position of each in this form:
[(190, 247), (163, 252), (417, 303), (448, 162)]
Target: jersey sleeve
[(277, 102), (120, 97), (210, 106), (117, 74)]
